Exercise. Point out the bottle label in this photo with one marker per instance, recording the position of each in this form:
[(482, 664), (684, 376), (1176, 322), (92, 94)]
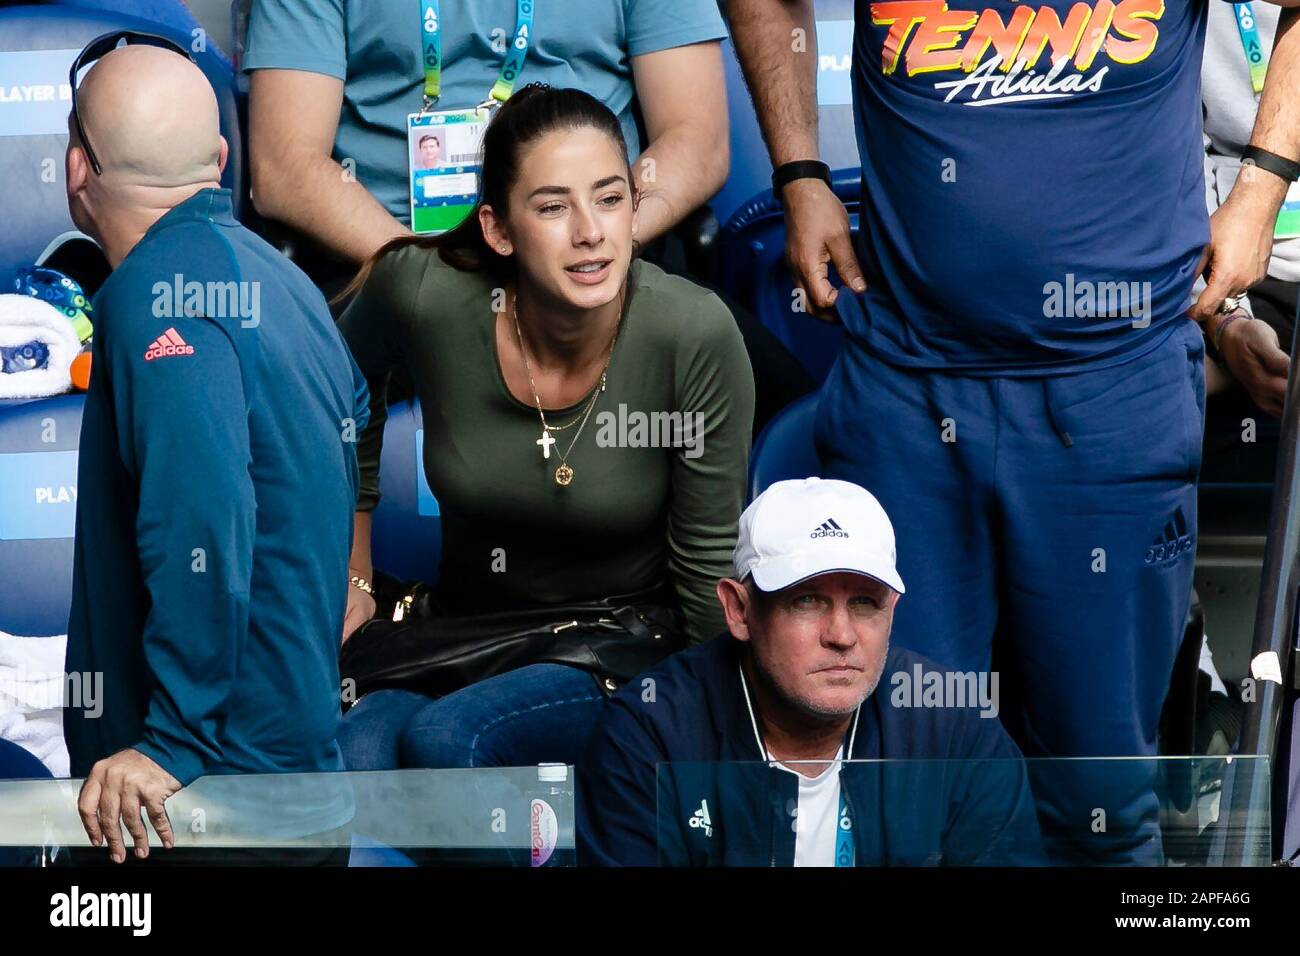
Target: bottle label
[(545, 830)]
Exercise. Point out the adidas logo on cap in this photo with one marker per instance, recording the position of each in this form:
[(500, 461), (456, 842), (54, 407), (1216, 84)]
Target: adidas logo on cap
[(169, 343), (828, 529)]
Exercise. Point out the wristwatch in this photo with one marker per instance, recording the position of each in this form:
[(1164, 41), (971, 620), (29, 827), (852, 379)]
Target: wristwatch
[(799, 169)]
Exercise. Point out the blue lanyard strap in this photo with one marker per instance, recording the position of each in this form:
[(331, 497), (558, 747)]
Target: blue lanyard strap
[(843, 832), (511, 66), (1256, 58)]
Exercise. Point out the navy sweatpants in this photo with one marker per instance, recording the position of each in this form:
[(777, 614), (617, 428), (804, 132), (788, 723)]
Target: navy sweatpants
[(1060, 511)]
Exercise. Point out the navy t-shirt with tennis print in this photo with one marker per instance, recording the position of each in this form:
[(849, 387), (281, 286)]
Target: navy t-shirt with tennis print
[(1032, 194)]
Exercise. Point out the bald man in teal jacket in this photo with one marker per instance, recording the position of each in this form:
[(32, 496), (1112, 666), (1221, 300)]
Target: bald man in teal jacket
[(217, 474)]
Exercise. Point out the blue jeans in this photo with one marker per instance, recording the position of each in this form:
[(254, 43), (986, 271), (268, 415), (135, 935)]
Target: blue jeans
[(542, 713)]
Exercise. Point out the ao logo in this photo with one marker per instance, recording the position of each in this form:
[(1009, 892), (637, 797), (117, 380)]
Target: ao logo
[(430, 21)]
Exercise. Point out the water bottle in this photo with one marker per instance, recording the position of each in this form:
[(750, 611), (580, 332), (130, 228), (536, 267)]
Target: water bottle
[(550, 808)]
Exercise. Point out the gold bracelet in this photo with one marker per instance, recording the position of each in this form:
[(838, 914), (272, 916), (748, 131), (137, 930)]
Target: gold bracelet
[(357, 581)]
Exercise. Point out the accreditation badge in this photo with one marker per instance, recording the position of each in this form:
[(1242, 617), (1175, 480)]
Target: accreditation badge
[(444, 151)]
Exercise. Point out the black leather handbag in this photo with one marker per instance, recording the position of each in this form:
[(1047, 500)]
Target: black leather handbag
[(436, 654)]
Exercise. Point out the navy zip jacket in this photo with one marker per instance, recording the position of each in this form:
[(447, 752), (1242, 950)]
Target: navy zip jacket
[(216, 486), (674, 776)]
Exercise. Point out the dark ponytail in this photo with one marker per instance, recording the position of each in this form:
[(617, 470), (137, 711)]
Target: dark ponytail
[(529, 114)]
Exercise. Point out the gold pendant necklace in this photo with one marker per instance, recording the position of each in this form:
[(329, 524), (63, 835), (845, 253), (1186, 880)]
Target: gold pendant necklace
[(564, 473)]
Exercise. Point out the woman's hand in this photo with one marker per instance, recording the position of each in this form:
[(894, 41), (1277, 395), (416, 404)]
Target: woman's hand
[(361, 608)]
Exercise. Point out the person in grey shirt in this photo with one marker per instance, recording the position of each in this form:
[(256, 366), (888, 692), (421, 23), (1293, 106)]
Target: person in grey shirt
[(1229, 104), (333, 80)]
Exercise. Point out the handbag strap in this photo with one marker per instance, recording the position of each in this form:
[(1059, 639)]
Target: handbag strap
[(631, 622)]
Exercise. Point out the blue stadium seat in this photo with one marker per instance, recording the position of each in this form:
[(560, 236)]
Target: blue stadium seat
[(751, 254), (785, 448), (175, 15), (38, 501), (406, 533), (37, 45), (38, 494), (751, 170), (18, 764)]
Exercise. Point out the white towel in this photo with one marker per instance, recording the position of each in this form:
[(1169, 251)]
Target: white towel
[(26, 319), (31, 697)]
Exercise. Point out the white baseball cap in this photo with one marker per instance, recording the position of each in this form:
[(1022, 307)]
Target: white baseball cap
[(799, 529)]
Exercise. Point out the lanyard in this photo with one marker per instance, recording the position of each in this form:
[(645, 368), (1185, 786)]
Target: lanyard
[(843, 832), (511, 66), (1256, 59)]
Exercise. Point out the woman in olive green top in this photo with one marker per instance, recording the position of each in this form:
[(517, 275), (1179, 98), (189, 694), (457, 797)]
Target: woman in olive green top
[(586, 426)]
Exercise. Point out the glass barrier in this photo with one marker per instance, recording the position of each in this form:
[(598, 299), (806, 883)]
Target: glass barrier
[(1170, 811), (1116, 811), (491, 816)]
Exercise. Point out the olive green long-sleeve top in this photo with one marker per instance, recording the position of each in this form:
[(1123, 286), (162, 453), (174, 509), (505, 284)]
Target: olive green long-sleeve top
[(637, 514)]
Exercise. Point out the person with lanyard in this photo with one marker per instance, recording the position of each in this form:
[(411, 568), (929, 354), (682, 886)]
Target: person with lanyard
[(537, 345), (334, 84), (1019, 381), (1238, 40), (742, 753), (341, 92)]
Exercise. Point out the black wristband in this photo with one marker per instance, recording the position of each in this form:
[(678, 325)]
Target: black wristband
[(799, 169), (1278, 165)]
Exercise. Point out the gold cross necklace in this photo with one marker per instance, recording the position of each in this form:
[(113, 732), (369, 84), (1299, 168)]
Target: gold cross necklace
[(564, 473)]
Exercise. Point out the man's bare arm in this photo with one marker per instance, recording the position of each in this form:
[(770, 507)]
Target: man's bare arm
[(1241, 230), (776, 42), (1277, 121), (683, 98), (293, 116)]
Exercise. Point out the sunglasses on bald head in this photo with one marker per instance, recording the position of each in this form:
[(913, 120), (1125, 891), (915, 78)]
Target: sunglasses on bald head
[(97, 48)]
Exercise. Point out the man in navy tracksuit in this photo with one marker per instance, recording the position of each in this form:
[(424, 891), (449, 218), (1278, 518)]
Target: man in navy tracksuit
[(1020, 382), (217, 475), (733, 753)]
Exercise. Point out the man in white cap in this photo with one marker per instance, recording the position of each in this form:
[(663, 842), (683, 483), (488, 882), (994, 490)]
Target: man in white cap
[(733, 752)]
